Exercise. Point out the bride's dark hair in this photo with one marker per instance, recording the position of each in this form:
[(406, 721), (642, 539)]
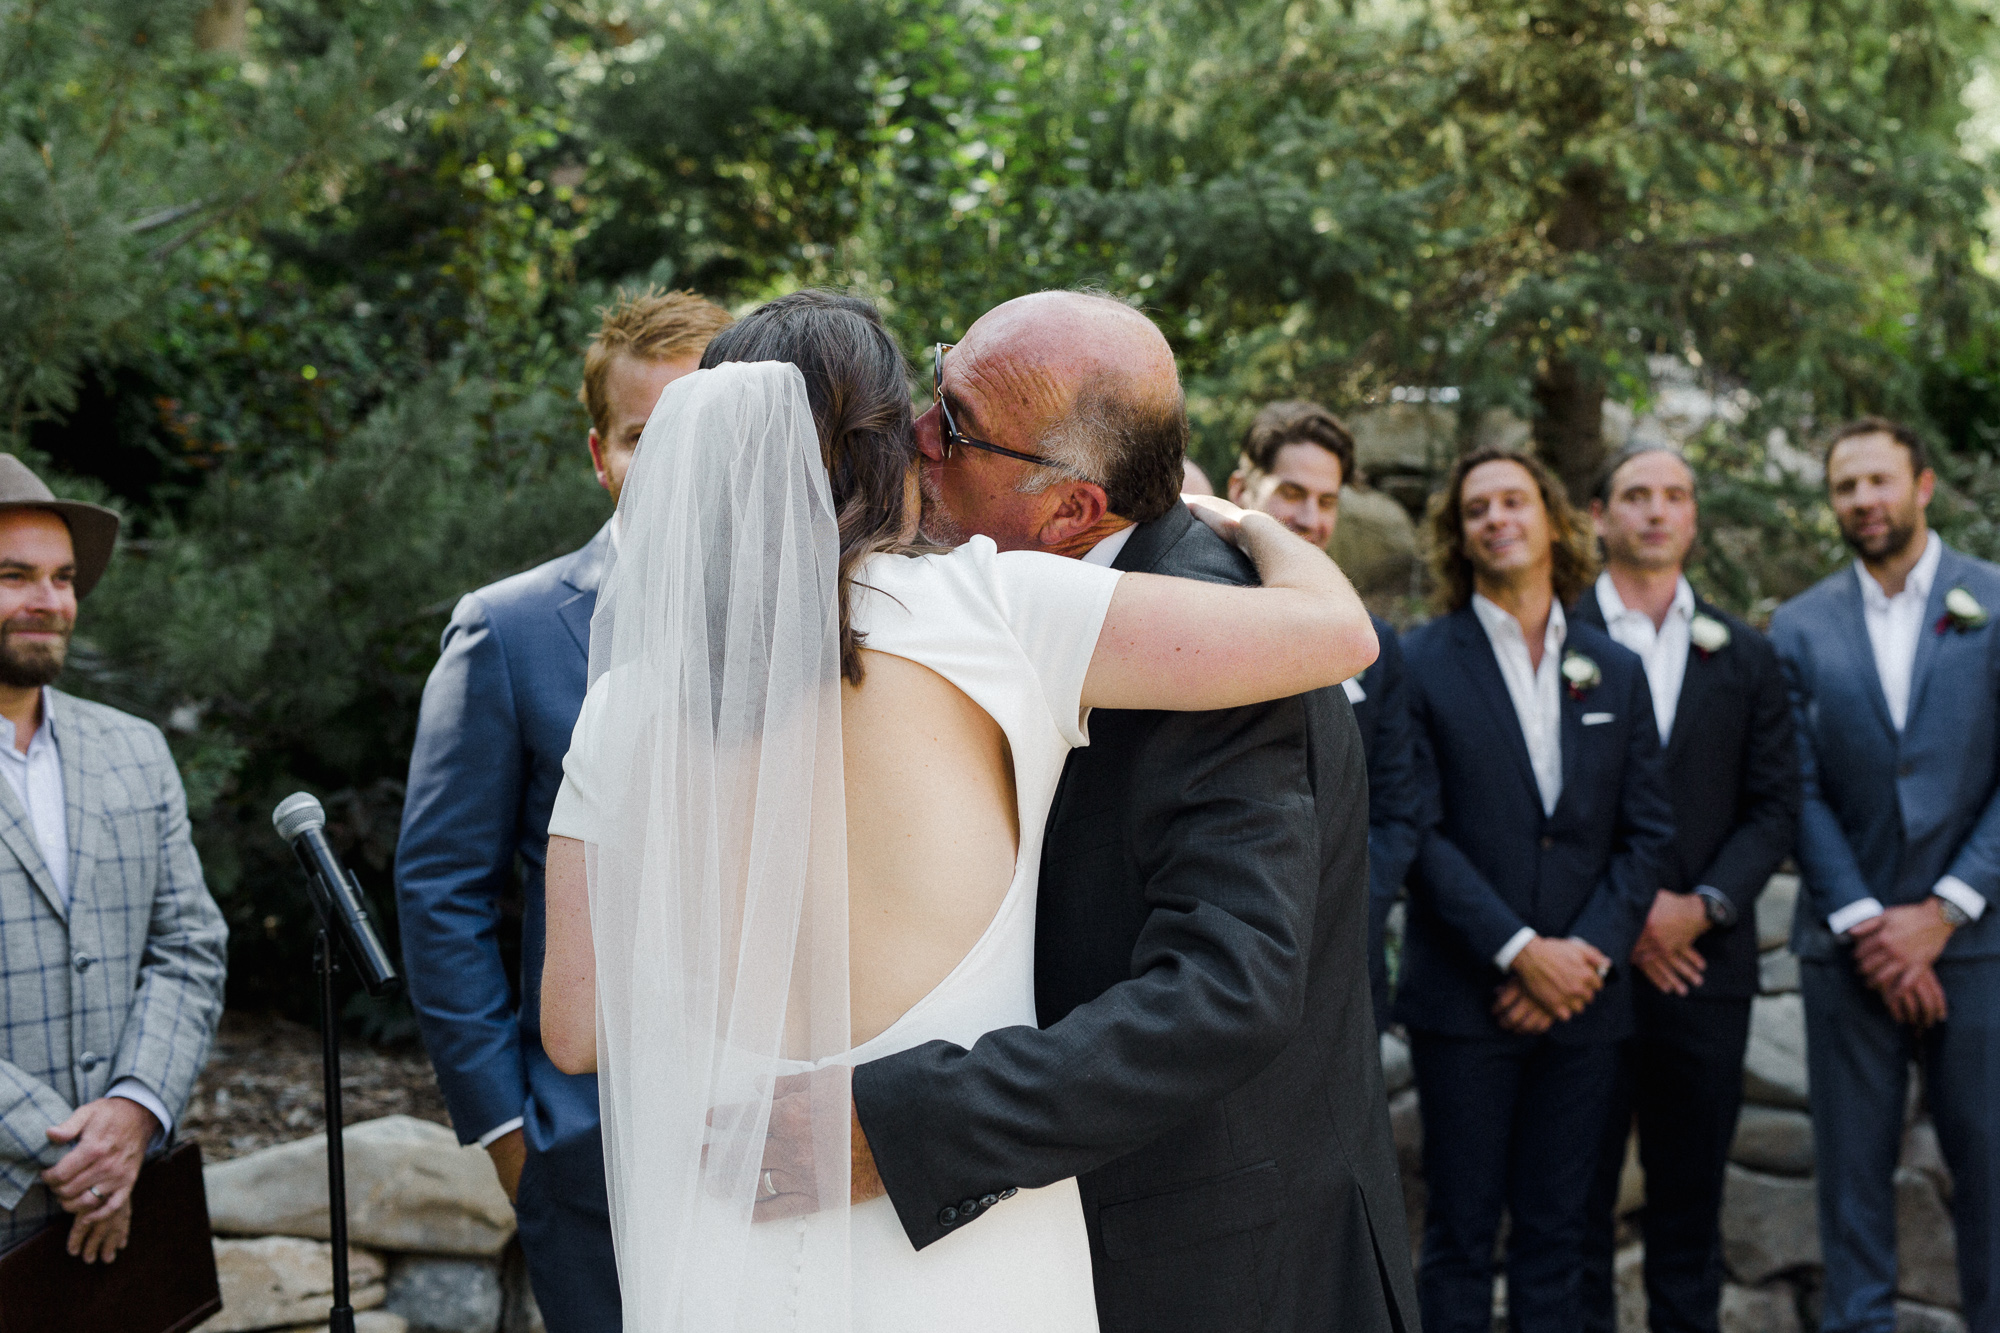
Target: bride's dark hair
[(858, 385)]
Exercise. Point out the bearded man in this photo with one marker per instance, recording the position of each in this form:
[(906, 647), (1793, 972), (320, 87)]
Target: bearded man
[(111, 950), (1894, 667)]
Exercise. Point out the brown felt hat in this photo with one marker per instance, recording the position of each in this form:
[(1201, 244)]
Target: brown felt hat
[(93, 529)]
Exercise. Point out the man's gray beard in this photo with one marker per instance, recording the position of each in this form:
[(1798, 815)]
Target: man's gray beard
[(1895, 544), (936, 522), (30, 668)]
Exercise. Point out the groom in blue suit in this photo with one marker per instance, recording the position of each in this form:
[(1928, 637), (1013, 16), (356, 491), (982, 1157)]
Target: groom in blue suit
[(1894, 665), (494, 727)]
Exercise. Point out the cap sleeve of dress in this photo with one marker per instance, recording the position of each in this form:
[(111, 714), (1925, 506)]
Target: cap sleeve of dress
[(1055, 607), (579, 799)]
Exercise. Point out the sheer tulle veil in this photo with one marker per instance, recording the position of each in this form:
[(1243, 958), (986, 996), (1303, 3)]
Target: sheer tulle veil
[(718, 894)]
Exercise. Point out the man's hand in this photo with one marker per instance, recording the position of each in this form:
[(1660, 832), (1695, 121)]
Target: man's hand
[(1665, 951), (1562, 976), (1919, 1001), (1517, 1011), (864, 1182), (108, 1139), (509, 1153), (1891, 948)]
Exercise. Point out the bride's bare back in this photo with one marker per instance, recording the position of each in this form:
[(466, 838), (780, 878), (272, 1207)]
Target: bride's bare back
[(933, 831)]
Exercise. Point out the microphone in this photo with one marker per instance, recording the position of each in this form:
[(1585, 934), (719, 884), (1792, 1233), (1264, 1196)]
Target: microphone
[(336, 894)]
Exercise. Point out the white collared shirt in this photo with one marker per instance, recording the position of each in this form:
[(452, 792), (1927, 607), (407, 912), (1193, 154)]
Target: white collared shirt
[(1895, 627), (1107, 550), (37, 780), (1895, 624), (1535, 690), (1663, 648)]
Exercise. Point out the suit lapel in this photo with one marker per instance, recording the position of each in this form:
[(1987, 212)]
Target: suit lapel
[(18, 835), (1852, 635), (1697, 680), (585, 574), (1482, 668), (1928, 639), (1570, 709), (78, 797), (1150, 542)]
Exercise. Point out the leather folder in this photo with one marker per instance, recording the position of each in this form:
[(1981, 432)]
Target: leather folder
[(163, 1281)]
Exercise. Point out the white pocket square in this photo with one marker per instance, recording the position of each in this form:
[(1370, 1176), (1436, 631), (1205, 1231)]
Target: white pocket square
[(1598, 719)]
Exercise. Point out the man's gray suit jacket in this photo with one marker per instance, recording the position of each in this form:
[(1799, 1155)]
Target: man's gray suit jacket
[(125, 981), (1207, 1064), (1887, 815)]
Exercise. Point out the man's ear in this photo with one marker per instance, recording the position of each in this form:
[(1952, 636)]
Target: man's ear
[(1237, 481), (1080, 506), (1926, 486), (597, 460)]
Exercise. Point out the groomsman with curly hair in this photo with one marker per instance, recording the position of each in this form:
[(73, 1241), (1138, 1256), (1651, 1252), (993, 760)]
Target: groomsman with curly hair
[(1894, 666), (1546, 826), (1731, 760)]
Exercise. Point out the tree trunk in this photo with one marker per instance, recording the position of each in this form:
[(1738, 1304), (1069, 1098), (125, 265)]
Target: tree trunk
[(223, 26), (1569, 426)]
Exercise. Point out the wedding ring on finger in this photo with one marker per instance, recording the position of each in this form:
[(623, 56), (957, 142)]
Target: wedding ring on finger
[(98, 1194), (766, 1188)]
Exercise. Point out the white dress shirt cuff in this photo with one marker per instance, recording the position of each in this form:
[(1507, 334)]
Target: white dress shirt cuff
[(132, 1090), (1852, 915), (501, 1131), (1512, 948), (1961, 895)]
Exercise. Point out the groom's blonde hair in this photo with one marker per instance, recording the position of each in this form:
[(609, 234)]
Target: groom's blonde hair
[(651, 325)]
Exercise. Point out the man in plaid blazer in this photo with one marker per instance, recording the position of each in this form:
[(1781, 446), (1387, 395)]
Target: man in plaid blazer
[(111, 950)]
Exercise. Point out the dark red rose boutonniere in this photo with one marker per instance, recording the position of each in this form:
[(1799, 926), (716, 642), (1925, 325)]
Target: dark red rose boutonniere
[(1708, 635), (1962, 612), (1580, 674)]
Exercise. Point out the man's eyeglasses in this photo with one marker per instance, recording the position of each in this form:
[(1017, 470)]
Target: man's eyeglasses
[(948, 431)]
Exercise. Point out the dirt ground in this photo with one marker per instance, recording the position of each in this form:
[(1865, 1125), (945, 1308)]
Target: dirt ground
[(262, 1086)]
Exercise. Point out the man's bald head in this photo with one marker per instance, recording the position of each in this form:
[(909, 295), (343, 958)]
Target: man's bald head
[(1092, 382)]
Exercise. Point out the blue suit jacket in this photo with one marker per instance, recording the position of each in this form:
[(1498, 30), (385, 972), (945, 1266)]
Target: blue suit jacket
[(1383, 715), (1491, 862), (1887, 816), (494, 727)]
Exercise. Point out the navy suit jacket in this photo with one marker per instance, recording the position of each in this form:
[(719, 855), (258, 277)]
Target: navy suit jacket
[(1383, 715), (1887, 816), (1732, 773), (1492, 862), (495, 724)]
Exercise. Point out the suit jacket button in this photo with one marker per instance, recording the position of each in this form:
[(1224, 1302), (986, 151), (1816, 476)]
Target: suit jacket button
[(1009, 1193), (1547, 842), (81, 962), (948, 1218), (90, 1060), (967, 1207), (988, 1200)]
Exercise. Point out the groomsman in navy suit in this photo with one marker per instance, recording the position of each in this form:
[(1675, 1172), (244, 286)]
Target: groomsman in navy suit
[(1295, 458), (491, 735), (1894, 666), (1547, 827), (1731, 760)]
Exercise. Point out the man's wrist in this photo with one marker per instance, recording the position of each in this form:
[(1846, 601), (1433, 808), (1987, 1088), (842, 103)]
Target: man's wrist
[(1852, 915), (1962, 904), (1511, 950), (132, 1090), (500, 1131), (1715, 905)]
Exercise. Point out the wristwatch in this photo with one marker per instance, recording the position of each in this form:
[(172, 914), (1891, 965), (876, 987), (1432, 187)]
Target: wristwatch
[(1721, 912), (1954, 915)]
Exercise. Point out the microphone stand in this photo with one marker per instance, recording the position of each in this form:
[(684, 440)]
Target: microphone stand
[(340, 1319)]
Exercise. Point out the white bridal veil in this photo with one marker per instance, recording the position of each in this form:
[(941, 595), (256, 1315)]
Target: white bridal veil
[(718, 891)]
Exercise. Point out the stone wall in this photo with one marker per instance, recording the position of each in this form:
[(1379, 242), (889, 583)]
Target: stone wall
[(1770, 1229), (431, 1236)]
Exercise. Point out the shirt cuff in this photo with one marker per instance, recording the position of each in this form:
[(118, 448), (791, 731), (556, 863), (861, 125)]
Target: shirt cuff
[(1709, 893), (1512, 948), (132, 1090), (1961, 895), (1852, 915), (500, 1131)]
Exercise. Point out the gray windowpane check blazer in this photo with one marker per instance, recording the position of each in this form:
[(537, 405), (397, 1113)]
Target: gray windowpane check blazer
[(123, 981)]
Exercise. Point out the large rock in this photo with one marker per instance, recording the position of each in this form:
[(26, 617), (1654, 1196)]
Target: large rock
[(1628, 1283), (281, 1282), (1775, 906), (410, 1187), (1772, 1309), (1504, 428), (367, 1321), (1397, 1073), (1771, 1139), (1631, 1180), (1914, 1318), (1770, 1225), (522, 1314), (1926, 1248), (1774, 1068), (446, 1295), (1406, 1125), (1375, 543), (1922, 1152), (1404, 437), (1778, 972)]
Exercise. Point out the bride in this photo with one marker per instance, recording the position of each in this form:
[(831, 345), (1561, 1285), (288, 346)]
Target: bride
[(801, 820)]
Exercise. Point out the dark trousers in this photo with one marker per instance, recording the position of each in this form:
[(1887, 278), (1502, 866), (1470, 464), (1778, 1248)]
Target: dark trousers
[(565, 1223), (1857, 1059), (1378, 956), (1510, 1123), (1681, 1077)]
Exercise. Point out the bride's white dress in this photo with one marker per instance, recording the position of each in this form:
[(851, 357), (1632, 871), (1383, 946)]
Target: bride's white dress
[(1015, 632)]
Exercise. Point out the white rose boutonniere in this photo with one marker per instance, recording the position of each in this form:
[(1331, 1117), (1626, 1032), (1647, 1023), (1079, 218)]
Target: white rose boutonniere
[(1709, 635), (1581, 674), (1962, 612)]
